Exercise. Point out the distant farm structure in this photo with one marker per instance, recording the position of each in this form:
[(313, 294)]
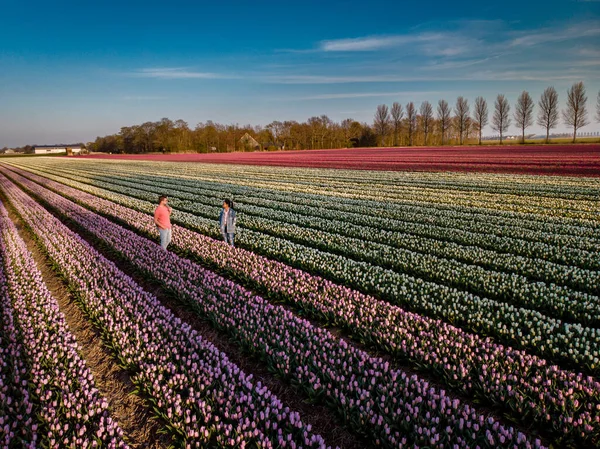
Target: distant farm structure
[(57, 149)]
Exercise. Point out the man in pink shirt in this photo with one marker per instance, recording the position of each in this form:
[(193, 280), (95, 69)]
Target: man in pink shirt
[(162, 220)]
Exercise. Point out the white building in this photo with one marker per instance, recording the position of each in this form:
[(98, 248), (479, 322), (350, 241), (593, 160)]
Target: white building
[(56, 149)]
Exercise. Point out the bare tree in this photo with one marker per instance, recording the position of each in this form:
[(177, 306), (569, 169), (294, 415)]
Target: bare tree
[(397, 116), (276, 128), (548, 114), (501, 117), (426, 111), (598, 108), (443, 115), (461, 114), (411, 119), (524, 113), (480, 115), (469, 126), (576, 113), (382, 122)]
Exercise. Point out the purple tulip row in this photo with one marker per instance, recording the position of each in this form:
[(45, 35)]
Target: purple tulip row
[(70, 411), (191, 384), (527, 385), (393, 408), (18, 425)]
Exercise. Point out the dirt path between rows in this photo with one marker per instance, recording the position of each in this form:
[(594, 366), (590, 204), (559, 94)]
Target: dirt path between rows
[(140, 429)]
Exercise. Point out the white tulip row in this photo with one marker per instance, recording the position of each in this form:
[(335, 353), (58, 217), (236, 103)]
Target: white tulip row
[(364, 184), (558, 249)]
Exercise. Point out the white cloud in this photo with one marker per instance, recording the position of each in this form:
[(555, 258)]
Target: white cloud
[(549, 35), (429, 43), (522, 75), (338, 96), (143, 98), (459, 64), (177, 73), (336, 79), (590, 52), (364, 43)]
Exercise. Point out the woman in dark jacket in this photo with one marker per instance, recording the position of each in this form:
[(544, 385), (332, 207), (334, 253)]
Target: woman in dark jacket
[(227, 222)]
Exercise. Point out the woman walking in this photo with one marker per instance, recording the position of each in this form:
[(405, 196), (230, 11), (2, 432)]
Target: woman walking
[(227, 222), (162, 220)]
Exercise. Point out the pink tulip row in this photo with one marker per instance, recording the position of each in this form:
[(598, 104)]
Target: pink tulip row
[(68, 411), (393, 408), (191, 384), (571, 160), (560, 400)]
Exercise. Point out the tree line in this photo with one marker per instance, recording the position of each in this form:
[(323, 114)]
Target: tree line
[(392, 126), (403, 126)]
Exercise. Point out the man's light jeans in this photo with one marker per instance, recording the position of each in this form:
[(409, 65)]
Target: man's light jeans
[(165, 237)]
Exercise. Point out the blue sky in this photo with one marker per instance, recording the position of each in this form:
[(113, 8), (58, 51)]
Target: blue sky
[(70, 71)]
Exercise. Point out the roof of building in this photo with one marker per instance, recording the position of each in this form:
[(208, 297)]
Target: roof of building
[(57, 146)]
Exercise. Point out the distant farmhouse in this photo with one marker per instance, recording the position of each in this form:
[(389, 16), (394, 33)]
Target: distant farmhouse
[(57, 149), (249, 143)]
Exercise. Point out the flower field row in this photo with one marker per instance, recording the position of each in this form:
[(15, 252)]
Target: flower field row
[(387, 404), (544, 232), (54, 401), (557, 301), (327, 235), (578, 160), (475, 366), (534, 269), (192, 385), (333, 184), (543, 261), (288, 181), (572, 345), (562, 232), (18, 425), (502, 246)]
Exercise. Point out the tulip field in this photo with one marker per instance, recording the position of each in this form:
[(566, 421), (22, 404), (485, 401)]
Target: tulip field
[(556, 159), (415, 309)]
